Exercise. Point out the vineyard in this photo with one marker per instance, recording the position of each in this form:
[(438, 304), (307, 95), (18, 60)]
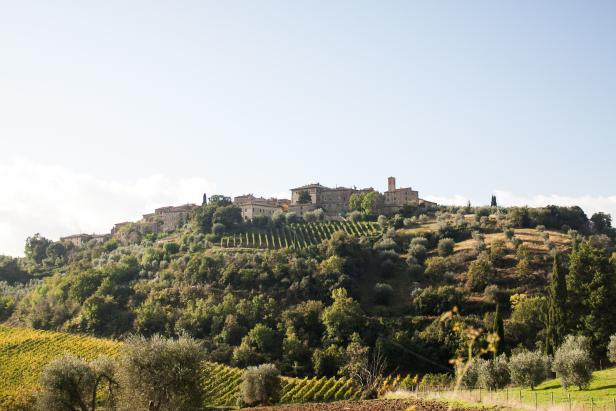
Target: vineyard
[(221, 385), (25, 352), (297, 235)]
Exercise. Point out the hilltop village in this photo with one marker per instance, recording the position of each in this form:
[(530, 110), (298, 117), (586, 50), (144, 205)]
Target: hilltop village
[(307, 198)]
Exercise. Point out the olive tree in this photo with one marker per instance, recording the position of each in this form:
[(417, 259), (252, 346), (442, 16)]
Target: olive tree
[(161, 373), (261, 385), (493, 374), (529, 368), (70, 383), (445, 247), (611, 349), (573, 363)]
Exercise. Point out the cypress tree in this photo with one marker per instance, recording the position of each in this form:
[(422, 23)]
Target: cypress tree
[(499, 329), (557, 307), (591, 292), (493, 201)]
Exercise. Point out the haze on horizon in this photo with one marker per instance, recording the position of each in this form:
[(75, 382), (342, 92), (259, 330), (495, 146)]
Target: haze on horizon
[(109, 110)]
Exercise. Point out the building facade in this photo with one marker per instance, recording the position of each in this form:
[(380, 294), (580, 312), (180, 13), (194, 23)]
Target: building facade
[(335, 201), (167, 218), (252, 206)]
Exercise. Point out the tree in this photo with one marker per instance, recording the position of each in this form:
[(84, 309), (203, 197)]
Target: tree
[(70, 383), (499, 330), (573, 363), (445, 247), (383, 293), (304, 197), (230, 216), (261, 385), (611, 349), (602, 222), (36, 248), (163, 372), (591, 287), (529, 368), (493, 201), (557, 306), (327, 362), (493, 374), (218, 200), (480, 272), (343, 317)]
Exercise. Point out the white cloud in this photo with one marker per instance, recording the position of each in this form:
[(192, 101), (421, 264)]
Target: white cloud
[(590, 204), (58, 201)]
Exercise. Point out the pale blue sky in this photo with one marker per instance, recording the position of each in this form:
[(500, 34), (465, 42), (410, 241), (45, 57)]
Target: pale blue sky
[(453, 98)]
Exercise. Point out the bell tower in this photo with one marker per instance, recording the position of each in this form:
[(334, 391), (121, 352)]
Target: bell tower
[(391, 184)]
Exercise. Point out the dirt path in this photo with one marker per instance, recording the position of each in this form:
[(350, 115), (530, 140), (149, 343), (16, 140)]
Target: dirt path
[(373, 405)]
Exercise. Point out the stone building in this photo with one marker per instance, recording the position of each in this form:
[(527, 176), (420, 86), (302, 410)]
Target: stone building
[(258, 206), (335, 201), (167, 218), (80, 239)]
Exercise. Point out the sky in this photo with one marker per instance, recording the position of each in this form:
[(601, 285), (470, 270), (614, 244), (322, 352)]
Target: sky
[(109, 109)]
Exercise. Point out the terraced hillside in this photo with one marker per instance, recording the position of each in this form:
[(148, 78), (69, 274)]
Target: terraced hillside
[(297, 235)]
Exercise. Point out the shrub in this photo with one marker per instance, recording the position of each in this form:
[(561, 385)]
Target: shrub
[(480, 273), (572, 362), (418, 251), (493, 374), (467, 374), (436, 380), (611, 349), (541, 228), (383, 293), (261, 385), (420, 241), (445, 247), (529, 368), (171, 247), (435, 301), (408, 222), (509, 233), (354, 216), (218, 229)]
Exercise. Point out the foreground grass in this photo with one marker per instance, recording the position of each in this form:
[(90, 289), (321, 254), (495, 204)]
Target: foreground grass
[(601, 394)]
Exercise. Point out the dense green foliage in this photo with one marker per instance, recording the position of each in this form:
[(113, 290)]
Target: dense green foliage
[(305, 294)]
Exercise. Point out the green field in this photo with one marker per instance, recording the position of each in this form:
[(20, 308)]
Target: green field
[(601, 394), (297, 235)]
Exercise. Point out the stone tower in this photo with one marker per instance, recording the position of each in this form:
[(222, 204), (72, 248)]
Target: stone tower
[(391, 184)]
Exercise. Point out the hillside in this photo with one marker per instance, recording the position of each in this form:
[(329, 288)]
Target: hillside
[(305, 294)]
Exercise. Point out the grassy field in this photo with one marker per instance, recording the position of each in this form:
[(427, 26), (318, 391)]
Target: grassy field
[(601, 395)]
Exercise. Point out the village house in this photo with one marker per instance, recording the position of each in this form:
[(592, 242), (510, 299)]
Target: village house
[(252, 206), (80, 239)]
